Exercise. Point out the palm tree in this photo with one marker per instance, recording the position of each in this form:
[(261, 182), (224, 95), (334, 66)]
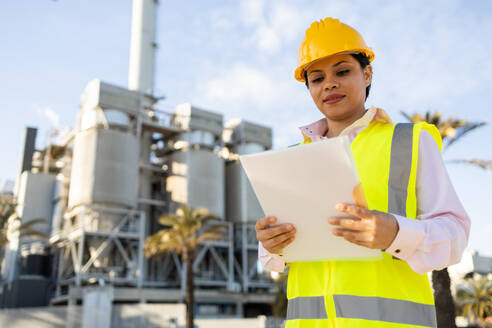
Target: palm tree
[(184, 231), (451, 130), (280, 302), (10, 223), (474, 299)]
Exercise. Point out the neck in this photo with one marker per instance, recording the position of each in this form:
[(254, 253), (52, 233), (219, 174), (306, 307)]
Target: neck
[(335, 127)]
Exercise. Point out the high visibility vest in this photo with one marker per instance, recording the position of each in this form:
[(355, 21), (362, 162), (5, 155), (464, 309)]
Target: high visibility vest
[(370, 293)]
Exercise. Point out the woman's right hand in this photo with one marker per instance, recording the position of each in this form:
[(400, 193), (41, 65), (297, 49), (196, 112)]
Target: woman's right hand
[(274, 238)]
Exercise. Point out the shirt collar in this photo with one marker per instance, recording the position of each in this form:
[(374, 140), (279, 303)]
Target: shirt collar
[(319, 128)]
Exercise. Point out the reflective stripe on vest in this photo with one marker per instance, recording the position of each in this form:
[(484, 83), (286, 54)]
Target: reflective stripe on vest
[(400, 166), (385, 309), (368, 308), (306, 308)]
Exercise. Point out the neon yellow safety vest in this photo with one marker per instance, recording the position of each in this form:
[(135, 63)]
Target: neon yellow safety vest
[(370, 293)]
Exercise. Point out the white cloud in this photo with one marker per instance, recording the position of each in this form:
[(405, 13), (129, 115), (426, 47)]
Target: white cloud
[(252, 11), (49, 114), (287, 21), (267, 39), (275, 25), (242, 83)]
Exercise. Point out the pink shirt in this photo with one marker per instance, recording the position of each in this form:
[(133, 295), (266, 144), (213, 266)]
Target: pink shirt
[(439, 236)]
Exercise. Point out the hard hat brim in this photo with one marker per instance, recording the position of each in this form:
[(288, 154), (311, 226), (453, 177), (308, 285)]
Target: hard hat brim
[(299, 72)]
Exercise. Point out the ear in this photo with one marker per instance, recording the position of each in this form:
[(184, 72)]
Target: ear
[(367, 75)]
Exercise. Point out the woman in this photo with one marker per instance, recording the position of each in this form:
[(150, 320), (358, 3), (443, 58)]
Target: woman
[(414, 215)]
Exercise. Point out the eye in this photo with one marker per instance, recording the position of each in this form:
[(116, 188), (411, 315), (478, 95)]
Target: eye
[(317, 80), (343, 72)]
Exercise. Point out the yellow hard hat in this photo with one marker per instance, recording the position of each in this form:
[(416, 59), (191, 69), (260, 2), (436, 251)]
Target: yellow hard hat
[(328, 37)]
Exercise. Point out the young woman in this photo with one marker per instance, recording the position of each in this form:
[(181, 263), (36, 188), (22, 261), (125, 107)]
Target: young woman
[(414, 215)]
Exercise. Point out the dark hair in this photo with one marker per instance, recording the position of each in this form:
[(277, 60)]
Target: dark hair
[(363, 61)]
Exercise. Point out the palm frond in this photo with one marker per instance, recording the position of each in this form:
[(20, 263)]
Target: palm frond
[(484, 164), (162, 242), (215, 228), (7, 210), (206, 220), (212, 232), (168, 220), (407, 116), (33, 233), (451, 129), (29, 224), (206, 236), (464, 130), (200, 212)]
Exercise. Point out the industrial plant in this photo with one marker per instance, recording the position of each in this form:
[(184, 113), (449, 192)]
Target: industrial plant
[(101, 187)]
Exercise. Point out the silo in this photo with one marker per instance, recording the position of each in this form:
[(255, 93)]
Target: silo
[(104, 168), (104, 165), (60, 198), (102, 219), (196, 172), (242, 206), (243, 137)]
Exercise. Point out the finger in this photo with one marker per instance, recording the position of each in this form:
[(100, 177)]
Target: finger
[(355, 237), (278, 248), (264, 222), (357, 224), (358, 195), (335, 220), (354, 210), (339, 220), (271, 232), (274, 242)]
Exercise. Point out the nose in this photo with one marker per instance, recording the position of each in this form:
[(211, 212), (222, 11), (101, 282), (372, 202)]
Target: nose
[(331, 84)]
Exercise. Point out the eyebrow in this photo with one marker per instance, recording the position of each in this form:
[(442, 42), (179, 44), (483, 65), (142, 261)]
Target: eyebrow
[(335, 65), (340, 62)]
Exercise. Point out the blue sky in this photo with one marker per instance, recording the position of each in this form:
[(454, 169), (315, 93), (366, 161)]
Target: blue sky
[(238, 58)]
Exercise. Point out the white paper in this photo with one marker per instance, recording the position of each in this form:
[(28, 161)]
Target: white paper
[(301, 185)]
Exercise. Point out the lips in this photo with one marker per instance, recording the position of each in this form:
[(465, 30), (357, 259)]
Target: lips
[(333, 98)]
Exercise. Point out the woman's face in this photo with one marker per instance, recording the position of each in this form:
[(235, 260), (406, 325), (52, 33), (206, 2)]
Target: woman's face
[(338, 86)]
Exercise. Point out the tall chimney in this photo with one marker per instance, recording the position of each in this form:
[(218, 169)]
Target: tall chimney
[(27, 150), (142, 46)]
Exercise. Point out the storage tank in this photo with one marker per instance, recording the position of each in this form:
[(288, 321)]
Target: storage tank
[(196, 172), (105, 155), (35, 199), (104, 169), (243, 137), (197, 179), (60, 197)]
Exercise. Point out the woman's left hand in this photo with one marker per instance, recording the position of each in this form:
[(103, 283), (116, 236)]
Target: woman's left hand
[(372, 229)]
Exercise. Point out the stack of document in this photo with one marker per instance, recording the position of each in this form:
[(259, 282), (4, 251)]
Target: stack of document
[(301, 185)]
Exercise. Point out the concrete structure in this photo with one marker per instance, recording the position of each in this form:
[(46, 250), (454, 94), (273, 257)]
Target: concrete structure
[(482, 264), (130, 163)]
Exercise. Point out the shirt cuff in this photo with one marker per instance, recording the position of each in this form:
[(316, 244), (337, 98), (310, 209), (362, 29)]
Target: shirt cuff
[(410, 235), (269, 261)]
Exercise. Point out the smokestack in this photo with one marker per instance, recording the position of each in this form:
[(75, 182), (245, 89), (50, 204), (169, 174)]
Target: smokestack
[(142, 46), (28, 147)]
